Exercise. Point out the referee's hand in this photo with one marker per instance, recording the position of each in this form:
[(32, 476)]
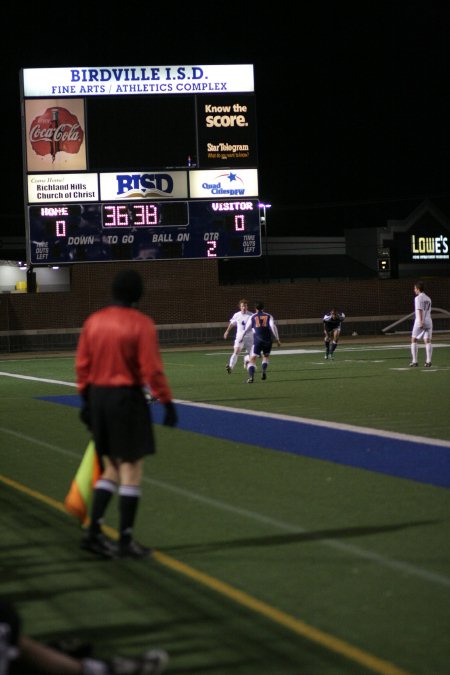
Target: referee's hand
[(85, 414), (170, 416)]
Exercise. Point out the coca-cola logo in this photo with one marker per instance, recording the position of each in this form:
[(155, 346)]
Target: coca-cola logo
[(56, 130)]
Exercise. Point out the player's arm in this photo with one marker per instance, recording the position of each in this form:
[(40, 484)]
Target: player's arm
[(274, 330), (247, 327), (82, 363), (230, 326), (420, 314)]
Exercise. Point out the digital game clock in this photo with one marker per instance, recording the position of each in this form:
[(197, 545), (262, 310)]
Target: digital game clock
[(164, 230)]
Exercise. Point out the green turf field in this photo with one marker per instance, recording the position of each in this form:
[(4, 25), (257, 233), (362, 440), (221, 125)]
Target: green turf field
[(266, 561)]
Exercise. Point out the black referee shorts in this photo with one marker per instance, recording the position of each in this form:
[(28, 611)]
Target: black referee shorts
[(122, 425)]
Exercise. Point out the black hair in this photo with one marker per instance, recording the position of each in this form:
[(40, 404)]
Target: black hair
[(259, 305), (127, 287), (10, 617)]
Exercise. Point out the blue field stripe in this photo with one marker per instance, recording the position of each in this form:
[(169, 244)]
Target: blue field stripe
[(404, 458)]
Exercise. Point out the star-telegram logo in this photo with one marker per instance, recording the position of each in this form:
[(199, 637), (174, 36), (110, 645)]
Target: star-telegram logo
[(217, 189)]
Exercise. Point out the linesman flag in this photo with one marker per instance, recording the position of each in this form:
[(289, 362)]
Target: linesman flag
[(79, 498)]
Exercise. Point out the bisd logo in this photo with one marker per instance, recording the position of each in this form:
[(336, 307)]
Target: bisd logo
[(144, 184)]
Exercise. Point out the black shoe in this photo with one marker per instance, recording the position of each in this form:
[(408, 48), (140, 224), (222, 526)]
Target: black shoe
[(228, 369), (153, 662), (132, 549), (100, 545), (428, 364), (413, 364), (264, 376), (250, 380)]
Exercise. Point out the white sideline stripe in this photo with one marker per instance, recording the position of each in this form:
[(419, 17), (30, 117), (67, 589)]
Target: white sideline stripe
[(324, 423), (277, 416), (281, 525), (38, 379), (314, 350), (43, 444), (349, 548), (401, 566)]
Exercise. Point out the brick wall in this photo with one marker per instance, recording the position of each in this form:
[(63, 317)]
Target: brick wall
[(188, 292)]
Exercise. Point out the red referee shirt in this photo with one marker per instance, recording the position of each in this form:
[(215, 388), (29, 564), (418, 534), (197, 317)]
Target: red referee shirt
[(119, 346)]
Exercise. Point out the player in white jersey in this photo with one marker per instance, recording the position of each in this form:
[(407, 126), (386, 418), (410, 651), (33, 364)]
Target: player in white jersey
[(423, 325), (239, 319)]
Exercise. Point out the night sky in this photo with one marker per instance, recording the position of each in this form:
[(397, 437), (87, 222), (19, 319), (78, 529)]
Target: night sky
[(352, 99)]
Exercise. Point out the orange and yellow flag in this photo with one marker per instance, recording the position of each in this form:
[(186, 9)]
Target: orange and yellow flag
[(79, 498)]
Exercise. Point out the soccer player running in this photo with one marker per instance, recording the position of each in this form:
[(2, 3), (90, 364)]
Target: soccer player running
[(332, 329), (117, 363), (423, 325), (239, 319), (264, 329)]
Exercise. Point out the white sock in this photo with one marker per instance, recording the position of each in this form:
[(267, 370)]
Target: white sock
[(414, 351), (429, 351), (94, 667)]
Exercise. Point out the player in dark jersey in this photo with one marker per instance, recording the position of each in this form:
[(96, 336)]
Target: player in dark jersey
[(264, 330), (332, 329)]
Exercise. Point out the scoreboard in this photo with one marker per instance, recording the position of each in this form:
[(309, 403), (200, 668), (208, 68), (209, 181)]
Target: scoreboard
[(140, 163), (71, 233)]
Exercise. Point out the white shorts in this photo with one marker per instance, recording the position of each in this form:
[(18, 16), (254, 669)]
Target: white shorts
[(247, 344), (424, 333)]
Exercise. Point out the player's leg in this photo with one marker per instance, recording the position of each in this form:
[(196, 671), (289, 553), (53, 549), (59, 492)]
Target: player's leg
[(334, 342), (264, 366), (248, 346), (129, 498), (234, 356), (94, 540), (265, 359), (36, 657), (327, 345), (414, 352), (428, 349), (416, 334), (10, 627), (103, 405), (256, 351)]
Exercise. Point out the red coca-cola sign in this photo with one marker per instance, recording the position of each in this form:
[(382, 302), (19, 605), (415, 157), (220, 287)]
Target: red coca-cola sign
[(56, 130)]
